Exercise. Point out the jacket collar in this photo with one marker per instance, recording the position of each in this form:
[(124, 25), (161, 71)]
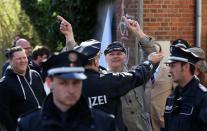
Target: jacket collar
[(91, 71), (52, 114), (189, 89)]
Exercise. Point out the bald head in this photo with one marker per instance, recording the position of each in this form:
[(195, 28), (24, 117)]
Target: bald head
[(25, 44)]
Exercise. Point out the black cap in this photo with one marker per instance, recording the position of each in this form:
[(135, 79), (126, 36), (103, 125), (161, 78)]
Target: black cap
[(66, 65), (183, 55), (181, 43), (115, 46), (90, 48)]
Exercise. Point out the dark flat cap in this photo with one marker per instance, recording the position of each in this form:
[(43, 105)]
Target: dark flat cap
[(115, 46)]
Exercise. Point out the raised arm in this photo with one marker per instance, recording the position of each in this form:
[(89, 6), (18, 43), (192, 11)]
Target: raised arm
[(67, 30), (146, 42)]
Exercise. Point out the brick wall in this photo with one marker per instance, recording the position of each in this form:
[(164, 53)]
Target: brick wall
[(166, 20), (131, 9), (169, 19), (204, 25)]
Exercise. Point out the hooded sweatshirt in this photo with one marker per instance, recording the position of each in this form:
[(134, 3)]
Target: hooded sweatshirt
[(18, 95)]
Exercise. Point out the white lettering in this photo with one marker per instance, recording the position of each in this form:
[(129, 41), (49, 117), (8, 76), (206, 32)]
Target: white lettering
[(97, 100), (94, 99), (101, 99)]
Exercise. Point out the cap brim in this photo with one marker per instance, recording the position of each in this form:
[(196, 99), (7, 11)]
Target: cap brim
[(169, 61), (173, 59), (114, 49), (79, 76)]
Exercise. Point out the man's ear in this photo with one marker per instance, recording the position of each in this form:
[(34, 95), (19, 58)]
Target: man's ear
[(96, 62), (10, 62), (125, 58), (106, 59), (48, 81), (187, 66)]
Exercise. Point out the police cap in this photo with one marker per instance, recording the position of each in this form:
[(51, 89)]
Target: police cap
[(90, 48), (183, 55), (181, 43), (66, 65), (115, 46)]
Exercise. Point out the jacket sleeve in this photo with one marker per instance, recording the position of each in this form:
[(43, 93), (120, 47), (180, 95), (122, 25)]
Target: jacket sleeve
[(5, 105), (121, 83), (203, 113), (147, 46), (21, 126)]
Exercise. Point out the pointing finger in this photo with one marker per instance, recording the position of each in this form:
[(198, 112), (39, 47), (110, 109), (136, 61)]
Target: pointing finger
[(60, 18)]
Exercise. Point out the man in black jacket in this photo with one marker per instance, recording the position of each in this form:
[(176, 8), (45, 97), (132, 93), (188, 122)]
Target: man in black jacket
[(186, 107), (65, 108), (104, 90), (21, 89)]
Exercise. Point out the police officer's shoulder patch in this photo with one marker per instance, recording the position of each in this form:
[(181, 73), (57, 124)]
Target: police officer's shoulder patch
[(127, 73), (203, 88), (115, 74), (122, 74)]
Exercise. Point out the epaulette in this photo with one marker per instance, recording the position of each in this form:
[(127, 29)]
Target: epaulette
[(27, 113), (103, 71), (203, 88)]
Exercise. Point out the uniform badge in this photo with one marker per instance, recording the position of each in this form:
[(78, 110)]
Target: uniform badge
[(72, 57)]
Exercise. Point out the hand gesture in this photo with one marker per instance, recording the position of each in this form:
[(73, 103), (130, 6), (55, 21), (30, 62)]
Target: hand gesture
[(155, 57), (134, 27), (66, 28)]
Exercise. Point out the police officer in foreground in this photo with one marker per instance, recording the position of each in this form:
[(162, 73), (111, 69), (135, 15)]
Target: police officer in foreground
[(104, 90), (186, 107), (65, 109)]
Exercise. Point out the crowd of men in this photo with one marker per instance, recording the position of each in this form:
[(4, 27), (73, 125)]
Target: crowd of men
[(68, 91)]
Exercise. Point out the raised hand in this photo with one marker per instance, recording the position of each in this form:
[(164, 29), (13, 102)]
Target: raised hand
[(66, 28), (134, 27), (155, 57)]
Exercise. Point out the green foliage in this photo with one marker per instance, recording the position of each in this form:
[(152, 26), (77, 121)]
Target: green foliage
[(14, 21), (80, 13), (36, 21)]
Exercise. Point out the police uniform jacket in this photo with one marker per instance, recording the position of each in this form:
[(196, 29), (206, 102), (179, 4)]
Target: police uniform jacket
[(19, 94), (186, 108), (104, 90), (78, 118)]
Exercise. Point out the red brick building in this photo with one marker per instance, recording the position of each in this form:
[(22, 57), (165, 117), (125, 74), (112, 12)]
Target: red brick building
[(165, 20)]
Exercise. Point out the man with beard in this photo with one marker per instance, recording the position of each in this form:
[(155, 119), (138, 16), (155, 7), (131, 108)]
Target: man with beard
[(186, 107)]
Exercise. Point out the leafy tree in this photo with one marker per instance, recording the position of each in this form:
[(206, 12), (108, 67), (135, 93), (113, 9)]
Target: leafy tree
[(36, 21), (42, 13), (11, 25)]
